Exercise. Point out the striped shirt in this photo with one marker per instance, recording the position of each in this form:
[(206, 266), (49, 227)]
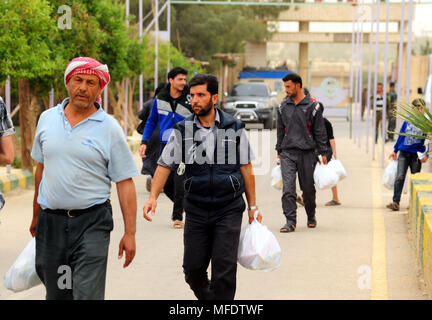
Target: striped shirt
[(6, 129)]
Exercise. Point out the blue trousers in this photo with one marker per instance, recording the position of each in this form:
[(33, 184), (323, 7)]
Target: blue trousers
[(405, 160)]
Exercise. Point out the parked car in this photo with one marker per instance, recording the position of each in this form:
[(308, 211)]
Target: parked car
[(252, 102)]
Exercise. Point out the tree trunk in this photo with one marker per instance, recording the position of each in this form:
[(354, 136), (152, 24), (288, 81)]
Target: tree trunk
[(118, 104), (25, 122)]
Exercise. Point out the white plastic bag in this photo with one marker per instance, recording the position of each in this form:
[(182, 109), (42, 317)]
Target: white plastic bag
[(258, 248), (389, 176), (336, 166), (276, 181), (325, 177), (22, 275)]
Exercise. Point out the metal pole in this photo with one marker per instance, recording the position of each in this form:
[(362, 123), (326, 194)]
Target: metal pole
[(8, 108), (169, 32), (357, 61), (384, 113), (156, 71), (369, 79), (375, 78), (400, 61), (105, 99), (51, 98), (360, 86), (408, 68), (126, 108), (141, 95), (352, 70), (8, 94)]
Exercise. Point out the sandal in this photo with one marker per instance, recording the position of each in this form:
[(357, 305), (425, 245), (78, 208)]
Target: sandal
[(299, 200), (178, 224), (312, 223), (287, 228), (333, 203)]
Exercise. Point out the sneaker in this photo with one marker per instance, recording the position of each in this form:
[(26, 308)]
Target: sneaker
[(395, 207)]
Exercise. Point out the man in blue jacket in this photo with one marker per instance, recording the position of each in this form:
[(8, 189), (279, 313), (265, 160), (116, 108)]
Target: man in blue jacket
[(171, 105), (411, 154)]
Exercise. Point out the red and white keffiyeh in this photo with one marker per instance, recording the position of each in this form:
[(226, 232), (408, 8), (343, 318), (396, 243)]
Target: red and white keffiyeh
[(86, 65)]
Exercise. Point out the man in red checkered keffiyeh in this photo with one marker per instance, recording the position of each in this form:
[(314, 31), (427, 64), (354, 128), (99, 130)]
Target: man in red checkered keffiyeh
[(88, 66)]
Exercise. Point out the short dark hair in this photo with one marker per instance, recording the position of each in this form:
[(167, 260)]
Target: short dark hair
[(210, 80), (392, 84), (176, 71), (379, 84), (294, 77), (419, 102)]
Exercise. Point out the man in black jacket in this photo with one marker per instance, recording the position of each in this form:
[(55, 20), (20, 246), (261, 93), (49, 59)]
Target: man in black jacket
[(211, 149), (300, 130)]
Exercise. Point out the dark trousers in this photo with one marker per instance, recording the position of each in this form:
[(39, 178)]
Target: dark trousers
[(71, 254), (303, 163), (174, 190), (391, 126), (405, 160), (212, 234)]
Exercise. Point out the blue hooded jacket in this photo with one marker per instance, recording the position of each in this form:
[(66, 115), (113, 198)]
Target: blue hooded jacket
[(410, 144)]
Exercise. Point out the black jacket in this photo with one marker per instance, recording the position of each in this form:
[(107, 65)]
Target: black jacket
[(213, 184), (301, 126)]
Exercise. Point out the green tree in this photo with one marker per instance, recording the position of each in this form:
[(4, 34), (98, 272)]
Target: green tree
[(200, 31), (25, 29)]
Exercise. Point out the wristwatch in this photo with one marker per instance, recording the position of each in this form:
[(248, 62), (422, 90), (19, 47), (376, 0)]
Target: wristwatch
[(252, 208)]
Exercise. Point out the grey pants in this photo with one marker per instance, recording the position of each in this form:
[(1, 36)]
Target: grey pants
[(71, 254), (303, 163)]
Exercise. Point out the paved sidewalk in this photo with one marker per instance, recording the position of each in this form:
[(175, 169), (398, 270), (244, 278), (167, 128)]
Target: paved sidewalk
[(359, 250)]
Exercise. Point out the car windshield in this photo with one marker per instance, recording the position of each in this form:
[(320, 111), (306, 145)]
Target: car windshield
[(249, 89)]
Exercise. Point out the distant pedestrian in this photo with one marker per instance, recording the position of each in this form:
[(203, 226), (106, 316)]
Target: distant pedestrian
[(171, 105), (331, 154), (411, 154), (154, 145), (391, 108), (6, 145), (211, 150), (364, 103), (300, 130), (79, 151), (379, 108)]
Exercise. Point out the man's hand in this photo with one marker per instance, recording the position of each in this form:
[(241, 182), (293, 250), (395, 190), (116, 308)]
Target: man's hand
[(278, 159), (424, 159), (142, 150), (251, 214), (127, 244), (393, 156), (149, 207), (33, 227), (324, 160)]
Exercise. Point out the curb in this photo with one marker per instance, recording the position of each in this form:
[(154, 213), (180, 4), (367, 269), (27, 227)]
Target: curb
[(420, 222)]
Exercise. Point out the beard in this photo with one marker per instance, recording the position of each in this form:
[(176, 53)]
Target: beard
[(206, 110)]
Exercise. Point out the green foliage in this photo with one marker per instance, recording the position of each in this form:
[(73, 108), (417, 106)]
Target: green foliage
[(202, 30), (418, 116), (25, 30)]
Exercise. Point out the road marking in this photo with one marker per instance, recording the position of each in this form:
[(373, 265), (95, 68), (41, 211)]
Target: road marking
[(379, 264)]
